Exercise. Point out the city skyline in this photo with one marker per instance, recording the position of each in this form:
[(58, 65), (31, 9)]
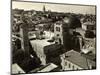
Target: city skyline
[(78, 9)]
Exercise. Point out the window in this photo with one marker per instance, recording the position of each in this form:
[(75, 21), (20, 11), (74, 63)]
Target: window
[(77, 69), (69, 65), (58, 29), (91, 27), (66, 63), (73, 67)]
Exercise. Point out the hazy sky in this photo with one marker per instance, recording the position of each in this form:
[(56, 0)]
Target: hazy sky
[(54, 7)]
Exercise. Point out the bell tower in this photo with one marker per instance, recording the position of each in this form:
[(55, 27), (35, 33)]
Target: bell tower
[(58, 30), (44, 9)]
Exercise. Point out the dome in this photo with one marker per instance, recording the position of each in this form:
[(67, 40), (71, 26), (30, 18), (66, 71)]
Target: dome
[(72, 22)]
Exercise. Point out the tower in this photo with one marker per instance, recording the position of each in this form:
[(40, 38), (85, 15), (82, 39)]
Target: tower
[(44, 9), (24, 38), (64, 29), (58, 30)]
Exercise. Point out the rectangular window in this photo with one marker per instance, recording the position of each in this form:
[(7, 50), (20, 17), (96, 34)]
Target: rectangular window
[(58, 29), (90, 27), (73, 67), (76, 68), (69, 65), (66, 63)]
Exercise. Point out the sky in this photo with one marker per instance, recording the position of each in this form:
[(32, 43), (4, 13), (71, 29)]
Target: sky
[(54, 7)]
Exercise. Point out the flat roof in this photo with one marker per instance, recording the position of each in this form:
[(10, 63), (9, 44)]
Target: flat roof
[(78, 59), (38, 45), (40, 42)]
